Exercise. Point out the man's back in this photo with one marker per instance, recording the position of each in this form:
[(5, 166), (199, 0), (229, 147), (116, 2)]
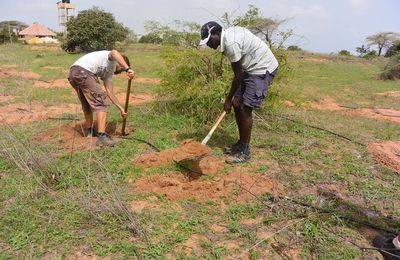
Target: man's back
[(238, 43)]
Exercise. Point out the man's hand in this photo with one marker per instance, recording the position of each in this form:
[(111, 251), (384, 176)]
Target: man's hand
[(228, 105), (123, 114), (130, 73)]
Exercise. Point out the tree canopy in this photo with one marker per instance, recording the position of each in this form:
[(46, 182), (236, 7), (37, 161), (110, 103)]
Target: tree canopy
[(383, 40), (93, 29)]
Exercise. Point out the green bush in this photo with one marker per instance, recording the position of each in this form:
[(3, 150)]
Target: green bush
[(195, 82), (392, 69), (344, 53), (294, 48), (93, 29)]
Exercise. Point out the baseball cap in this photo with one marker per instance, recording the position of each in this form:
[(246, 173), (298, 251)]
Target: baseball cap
[(206, 30)]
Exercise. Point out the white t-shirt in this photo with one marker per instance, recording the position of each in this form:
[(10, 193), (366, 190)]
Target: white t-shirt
[(98, 63), (238, 43)]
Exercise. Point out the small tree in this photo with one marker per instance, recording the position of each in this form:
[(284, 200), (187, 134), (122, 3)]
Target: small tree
[(93, 29), (383, 40), (362, 50), (294, 48), (394, 49), (344, 53), (392, 69), (7, 36)]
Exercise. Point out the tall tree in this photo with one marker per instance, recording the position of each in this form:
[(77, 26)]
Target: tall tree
[(94, 29), (383, 40)]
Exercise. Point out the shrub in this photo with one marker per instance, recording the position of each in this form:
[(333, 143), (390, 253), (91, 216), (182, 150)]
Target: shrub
[(344, 53), (93, 29), (195, 82), (294, 48), (370, 55), (392, 69)]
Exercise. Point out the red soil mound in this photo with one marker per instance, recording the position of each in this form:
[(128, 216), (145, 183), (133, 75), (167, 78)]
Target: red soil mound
[(236, 185), (189, 149), (71, 137), (387, 153), (17, 74), (22, 113), (135, 99)]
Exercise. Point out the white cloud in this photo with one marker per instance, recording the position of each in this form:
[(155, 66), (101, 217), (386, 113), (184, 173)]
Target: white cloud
[(359, 5)]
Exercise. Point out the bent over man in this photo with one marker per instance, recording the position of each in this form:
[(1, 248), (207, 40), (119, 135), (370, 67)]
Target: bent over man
[(254, 66), (84, 77)]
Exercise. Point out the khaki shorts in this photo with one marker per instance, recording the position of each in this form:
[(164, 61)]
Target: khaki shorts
[(91, 94)]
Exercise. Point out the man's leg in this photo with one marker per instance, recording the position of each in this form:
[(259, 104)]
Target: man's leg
[(246, 124), (88, 119), (101, 122)]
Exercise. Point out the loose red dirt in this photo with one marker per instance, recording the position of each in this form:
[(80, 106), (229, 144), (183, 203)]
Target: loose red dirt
[(327, 103), (21, 113), (10, 73), (71, 137), (236, 186), (387, 153), (189, 149)]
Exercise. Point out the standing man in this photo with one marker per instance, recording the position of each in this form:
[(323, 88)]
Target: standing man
[(254, 66), (83, 76)]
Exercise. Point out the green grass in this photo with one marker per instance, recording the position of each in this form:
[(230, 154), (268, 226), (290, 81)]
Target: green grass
[(37, 222)]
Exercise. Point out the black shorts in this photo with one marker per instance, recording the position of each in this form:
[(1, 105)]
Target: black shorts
[(254, 87)]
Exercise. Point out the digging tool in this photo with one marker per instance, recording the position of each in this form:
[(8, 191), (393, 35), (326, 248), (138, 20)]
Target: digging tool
[(126, 106), (207, 138)]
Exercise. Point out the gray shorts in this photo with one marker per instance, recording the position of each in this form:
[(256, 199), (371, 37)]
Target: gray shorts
[(253, 88), (91, 94)]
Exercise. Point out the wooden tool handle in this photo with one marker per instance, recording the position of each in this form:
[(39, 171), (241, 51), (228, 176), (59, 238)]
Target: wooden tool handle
[(126, 105), (220, 118)]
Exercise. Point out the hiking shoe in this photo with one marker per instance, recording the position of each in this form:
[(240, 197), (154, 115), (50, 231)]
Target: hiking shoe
[(90, 132), (240, 157), (386, 247), (104, 139), (233, 148)]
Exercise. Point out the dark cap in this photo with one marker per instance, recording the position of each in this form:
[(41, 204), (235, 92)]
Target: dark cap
[(207, 29)]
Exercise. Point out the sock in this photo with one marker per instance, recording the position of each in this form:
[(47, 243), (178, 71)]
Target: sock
[(396, 242)]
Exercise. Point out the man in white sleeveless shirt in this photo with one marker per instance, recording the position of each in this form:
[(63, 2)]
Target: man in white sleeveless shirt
[(254, 66), (84, 78)]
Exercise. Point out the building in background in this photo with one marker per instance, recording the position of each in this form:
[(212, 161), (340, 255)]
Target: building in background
[(37, 33)]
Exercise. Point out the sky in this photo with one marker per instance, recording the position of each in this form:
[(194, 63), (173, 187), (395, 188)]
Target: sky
[(319, 25)]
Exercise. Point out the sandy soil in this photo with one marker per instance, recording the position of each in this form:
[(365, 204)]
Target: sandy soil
[(5, 98), (58, 83)]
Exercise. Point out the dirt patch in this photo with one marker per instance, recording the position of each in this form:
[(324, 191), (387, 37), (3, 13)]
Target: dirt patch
[(58, 83), (71, 137), (327, 103), (377, 114), (288, 103), (317, 60), (9, 66), (44, 48), (135, 99), (150, 203), (189, 149), (389, 93), (21, 113), (380, 114), (387, 153), (236, 186), (155, 81), (18, 74), (6, 98)]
